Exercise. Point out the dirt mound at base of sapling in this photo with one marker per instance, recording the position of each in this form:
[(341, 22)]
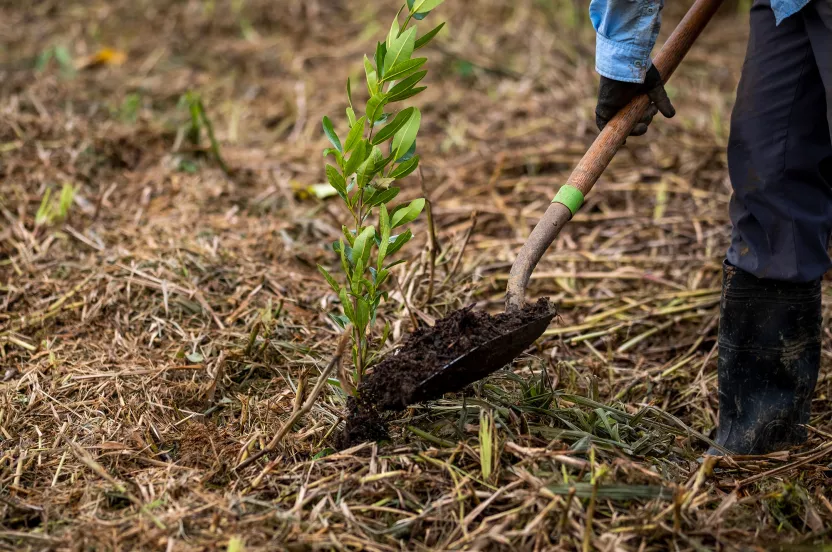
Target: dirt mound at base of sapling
[(392, 384), (364, 423)]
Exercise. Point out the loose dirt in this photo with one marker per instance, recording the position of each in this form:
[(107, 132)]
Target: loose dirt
[(394, 382)]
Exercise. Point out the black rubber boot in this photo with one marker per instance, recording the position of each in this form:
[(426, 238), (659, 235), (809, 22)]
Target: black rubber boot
[(769, 356)]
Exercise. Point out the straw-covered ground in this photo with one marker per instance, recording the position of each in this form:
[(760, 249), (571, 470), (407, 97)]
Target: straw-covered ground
[(159, 326)]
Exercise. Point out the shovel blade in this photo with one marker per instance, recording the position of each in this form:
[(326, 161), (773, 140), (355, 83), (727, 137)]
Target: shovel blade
[(481, 361)]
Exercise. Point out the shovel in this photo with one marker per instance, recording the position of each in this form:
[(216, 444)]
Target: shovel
[(484, 359)]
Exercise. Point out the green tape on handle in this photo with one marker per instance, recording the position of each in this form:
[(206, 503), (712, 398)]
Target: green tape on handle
[(570, 196)]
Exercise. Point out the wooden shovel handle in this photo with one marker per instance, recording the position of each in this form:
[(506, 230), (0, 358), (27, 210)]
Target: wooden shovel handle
[(602, 150), (599, 155)]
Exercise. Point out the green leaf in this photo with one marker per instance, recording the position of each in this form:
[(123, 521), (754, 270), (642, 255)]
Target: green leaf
[(428, 36), (355, 277), (406, 136), (363, 245), (356, 131), (337, 154), (344, 251), (391, 265), (358, 156), (403, 215), (385, 334), (384, 162), (381, 120), (381, 52), (346, 304), (372, 77), (329, 279), (384, 224), (369, 192), (408, 154), (394, 32), (381, 276), (406, 84), (362, 315), (405, 168), (64, 59), (379, 162), (330, 133), (400, 50), (367, 170), (336, 180), (340, 320), (383, 196), (403, 69), (398, 242), (424, 6), (418, 16), (406, 94), (351, 116), (375, 106), (369, 286), (349, 86), (327, 451), (349, 234), (363, 173), (390, 129)]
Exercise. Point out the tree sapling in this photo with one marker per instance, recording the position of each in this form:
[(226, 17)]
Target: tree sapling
[(379, 150)]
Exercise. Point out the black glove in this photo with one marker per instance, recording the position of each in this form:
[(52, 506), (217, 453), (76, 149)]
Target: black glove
[(614, 95)]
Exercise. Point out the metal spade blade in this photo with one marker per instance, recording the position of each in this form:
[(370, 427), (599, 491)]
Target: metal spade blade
[(480, 361)]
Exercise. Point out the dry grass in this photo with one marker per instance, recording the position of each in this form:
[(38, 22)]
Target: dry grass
[(173, 321)]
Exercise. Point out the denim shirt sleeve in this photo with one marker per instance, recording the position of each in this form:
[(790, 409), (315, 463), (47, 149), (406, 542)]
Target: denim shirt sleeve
[(626, 31)]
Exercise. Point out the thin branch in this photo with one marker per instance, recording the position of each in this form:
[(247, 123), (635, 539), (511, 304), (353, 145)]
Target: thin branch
[(464, 245), (407, 306), (433, 244), (307, 406)]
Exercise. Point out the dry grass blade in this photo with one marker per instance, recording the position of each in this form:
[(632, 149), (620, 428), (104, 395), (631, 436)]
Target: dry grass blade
[(612, 492)]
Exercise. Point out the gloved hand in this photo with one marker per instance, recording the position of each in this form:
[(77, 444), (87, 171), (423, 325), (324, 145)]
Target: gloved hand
[(614, 95)]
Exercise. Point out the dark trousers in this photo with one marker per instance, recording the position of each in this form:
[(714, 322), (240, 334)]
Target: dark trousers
[(780, 147)]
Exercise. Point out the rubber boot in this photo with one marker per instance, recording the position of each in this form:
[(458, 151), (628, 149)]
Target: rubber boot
[(769, 356)]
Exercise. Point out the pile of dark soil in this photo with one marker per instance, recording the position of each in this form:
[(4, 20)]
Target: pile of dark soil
[(393, 383), (364, 423)]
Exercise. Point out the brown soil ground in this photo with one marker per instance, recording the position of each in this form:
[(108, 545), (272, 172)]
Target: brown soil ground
[(162, 331)]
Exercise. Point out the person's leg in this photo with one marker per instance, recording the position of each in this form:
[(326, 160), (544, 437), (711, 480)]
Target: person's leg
[(781, 211), (769, 355), (818, 18)]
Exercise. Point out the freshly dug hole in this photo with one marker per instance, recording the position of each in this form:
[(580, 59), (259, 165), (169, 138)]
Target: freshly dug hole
[(395, 382)]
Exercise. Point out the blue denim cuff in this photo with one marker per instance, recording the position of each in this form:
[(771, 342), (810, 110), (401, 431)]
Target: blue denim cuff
[(620, 61)]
